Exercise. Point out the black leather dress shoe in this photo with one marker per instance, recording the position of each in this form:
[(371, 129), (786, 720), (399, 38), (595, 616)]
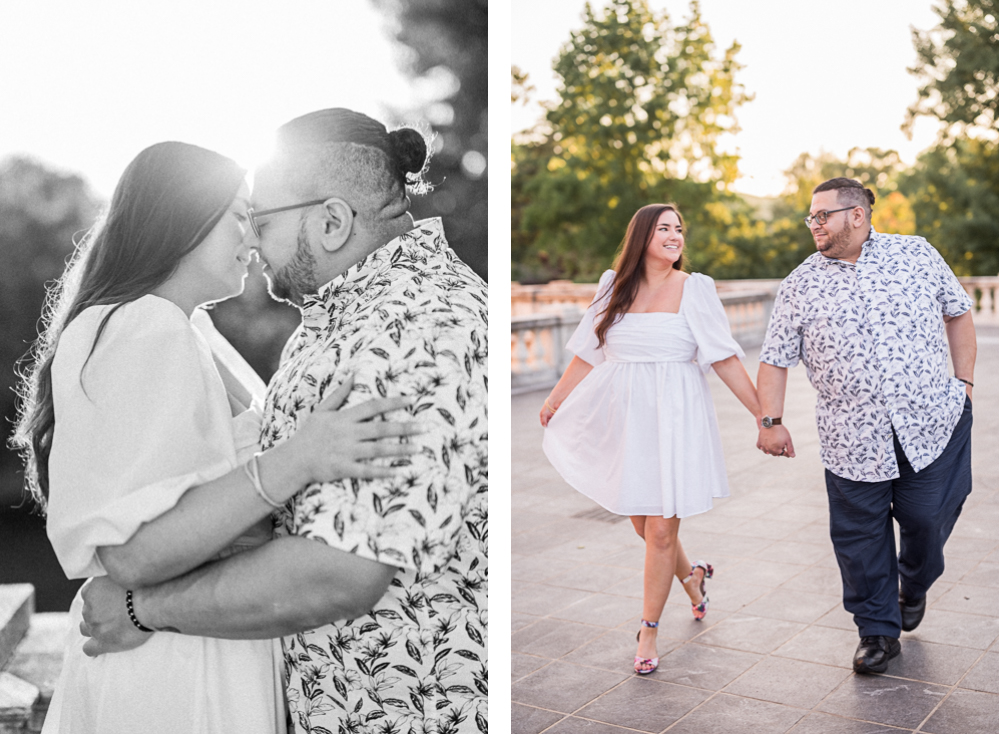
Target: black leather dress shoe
[(912, 612), (874, 653)]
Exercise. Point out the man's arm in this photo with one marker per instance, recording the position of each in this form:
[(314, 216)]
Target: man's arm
[(286, 586), (771, 383), (962, 344)]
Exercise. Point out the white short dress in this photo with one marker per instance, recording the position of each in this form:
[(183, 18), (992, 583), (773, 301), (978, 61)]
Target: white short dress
[(148, 418), (638, 435)]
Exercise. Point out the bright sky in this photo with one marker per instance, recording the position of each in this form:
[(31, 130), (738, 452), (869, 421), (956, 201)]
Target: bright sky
[(826, 76), (84, 86)]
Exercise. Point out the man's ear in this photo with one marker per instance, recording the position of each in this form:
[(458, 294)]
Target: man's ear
[(859, 218), (337, 222)]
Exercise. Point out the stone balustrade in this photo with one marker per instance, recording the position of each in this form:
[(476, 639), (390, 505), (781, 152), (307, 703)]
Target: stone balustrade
[(543, 318), (31, 652), (983, 292)]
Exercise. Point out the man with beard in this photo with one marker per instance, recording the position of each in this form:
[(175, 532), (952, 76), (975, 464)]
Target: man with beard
[(378, 586), (868, 313)]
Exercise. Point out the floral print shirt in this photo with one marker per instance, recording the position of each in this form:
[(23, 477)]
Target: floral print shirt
[(410, 320), (871, 335)]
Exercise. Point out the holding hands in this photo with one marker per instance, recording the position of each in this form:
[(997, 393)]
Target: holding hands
[(776, 441)]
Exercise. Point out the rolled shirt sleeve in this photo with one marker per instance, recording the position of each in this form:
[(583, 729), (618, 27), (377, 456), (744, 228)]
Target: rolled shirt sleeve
[(783, 342), (949, 293)]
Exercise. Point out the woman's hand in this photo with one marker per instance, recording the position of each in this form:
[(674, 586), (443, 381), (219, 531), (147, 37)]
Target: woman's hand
[(332, 444), (545, 415)]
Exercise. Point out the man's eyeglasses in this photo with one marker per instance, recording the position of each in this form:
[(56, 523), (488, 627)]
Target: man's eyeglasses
[(821, 217), (252, 215)]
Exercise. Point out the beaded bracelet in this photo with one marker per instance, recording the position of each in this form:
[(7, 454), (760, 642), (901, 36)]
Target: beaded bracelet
[(131, 613), (252, 470), (965, 381)]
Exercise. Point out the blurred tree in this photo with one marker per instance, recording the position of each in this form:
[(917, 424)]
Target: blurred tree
[(954, 193), (448, 44), (957, 62), (954, 185), (642, 108), (520, 88), (772, 245), (42, 211)]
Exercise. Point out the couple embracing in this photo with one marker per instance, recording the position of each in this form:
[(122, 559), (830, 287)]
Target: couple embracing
[(341, 509), (867, 313)]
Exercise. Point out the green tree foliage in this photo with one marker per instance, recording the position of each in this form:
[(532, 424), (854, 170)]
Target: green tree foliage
[(643, 104), (957, 62), (953, 191), (41, 212), (520, 88), (447, 41), (953, 188), (787, 241)]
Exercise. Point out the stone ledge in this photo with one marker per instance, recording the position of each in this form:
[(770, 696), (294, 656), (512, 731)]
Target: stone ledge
[(17, 603), (17, 705), (38, 659), (33, 653)]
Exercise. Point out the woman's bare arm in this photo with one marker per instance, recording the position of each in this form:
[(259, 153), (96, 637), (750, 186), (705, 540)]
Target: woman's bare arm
[(732, 372), (574, 374)]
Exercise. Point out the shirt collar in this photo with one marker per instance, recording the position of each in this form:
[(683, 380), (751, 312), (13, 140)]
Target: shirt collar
[(874, 240), (365, 280)]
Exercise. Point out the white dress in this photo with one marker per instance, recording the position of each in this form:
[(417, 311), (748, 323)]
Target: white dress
[(148, 419), (638, 435)]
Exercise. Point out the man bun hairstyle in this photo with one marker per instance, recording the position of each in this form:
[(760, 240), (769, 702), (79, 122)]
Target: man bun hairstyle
[(405, 149), (849, 193)]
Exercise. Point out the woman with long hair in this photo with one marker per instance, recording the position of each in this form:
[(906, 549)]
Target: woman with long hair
[(140, 441), (636, 429)]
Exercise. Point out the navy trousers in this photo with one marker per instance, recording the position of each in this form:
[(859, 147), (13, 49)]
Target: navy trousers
[(926, 506)]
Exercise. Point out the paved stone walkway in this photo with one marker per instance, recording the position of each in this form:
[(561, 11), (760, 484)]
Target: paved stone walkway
[(774, 652)]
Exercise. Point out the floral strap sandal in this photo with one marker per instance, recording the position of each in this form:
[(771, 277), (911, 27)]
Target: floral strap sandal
[(645, 666), (701, 609)]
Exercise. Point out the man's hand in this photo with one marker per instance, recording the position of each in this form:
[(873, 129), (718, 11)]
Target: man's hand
[(105, 619), (776, 441)]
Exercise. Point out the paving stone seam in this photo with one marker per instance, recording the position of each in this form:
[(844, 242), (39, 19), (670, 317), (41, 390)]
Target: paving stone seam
[(951, 690)]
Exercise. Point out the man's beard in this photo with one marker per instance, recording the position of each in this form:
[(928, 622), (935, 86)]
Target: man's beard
[(836, 242), (297, 278)]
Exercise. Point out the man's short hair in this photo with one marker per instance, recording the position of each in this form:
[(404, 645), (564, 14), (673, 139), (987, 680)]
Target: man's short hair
[(849, 193)]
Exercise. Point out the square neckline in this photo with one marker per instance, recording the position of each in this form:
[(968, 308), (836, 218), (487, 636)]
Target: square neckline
[(668, 313)]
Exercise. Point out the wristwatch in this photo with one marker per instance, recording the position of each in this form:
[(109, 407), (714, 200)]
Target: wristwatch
[(767, 421)]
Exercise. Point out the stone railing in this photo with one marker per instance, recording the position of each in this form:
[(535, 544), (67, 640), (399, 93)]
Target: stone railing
[(31, 652), (983, 292), (537, 341), (544, 317)]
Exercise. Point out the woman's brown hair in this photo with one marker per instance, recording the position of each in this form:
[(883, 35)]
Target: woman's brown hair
[(167, 201), (629, 265)]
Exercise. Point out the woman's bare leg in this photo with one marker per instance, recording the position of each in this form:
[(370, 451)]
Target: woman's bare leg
[(683, 572), (639, 523), (660, 534)]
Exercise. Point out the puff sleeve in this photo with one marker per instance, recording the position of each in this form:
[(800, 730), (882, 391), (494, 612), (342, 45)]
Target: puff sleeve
[(706, 317), (583, 343), (138, 424)]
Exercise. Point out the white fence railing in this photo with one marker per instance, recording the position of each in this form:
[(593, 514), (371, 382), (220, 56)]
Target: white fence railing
[(537, 341)]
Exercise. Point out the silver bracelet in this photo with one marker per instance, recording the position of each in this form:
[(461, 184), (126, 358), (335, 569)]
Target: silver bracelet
[(252, 470)]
